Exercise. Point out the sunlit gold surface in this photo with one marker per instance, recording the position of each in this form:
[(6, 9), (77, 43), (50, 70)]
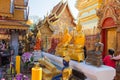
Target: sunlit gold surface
[(49, 70), (62, 46), (75, 50)]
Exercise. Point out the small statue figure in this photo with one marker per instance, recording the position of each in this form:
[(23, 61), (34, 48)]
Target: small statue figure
[(38, 41), (66, 70), (98, 45), (94, 57)]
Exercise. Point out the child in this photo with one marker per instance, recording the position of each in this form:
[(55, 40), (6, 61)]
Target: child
[(107, 60)]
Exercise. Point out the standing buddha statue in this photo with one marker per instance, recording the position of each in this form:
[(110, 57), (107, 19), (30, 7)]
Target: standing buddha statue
[(38, 41)]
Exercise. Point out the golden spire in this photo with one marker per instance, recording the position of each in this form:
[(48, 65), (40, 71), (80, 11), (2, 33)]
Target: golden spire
[(38, 34), (79, 26)]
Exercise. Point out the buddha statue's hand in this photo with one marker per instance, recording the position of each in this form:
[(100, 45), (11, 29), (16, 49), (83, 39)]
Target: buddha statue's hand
[(78, 46)]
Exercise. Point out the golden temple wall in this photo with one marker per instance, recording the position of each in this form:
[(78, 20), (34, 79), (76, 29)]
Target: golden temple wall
[(19, 2), (5, 6)]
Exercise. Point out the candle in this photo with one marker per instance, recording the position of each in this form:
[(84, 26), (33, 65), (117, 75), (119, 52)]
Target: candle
[(36, 73), (18, 64)]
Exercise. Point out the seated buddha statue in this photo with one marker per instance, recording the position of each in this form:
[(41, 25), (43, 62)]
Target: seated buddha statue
[(75, 49), (79, 38), (64, 41), (98, 45), (38, 41)]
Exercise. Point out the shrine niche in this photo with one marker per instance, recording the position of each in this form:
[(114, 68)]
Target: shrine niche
[(109, 24)]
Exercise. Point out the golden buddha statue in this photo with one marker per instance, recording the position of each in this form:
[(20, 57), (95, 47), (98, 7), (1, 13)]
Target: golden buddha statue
[(38, 41), (75, 49), (64, 41)]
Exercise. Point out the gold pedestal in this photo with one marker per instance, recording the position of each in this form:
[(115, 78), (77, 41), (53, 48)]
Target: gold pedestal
[(61, 52), (76, 52), (49, 70), (93, 58), (77, 56)]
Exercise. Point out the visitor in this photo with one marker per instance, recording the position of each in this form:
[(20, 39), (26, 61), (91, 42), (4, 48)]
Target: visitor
[(107, 60)]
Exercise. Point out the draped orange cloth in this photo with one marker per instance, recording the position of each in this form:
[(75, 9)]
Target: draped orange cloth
[(37, 44), (38, 41)]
